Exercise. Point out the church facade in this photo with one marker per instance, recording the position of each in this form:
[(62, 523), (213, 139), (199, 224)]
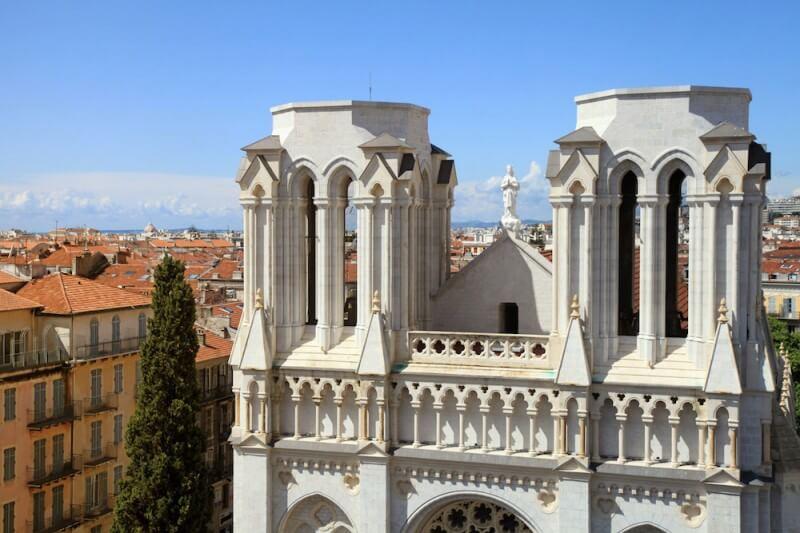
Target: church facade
[(627, 383)]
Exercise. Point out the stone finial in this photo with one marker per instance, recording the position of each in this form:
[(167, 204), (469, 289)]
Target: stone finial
[(575, 306), (376, 302), (259, 299), (723, 312)]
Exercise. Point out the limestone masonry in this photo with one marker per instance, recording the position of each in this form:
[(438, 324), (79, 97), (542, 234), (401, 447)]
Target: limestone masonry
[(630, 384)]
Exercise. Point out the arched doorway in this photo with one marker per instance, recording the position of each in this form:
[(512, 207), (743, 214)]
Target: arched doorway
[(644, 528), (316, 514), (474, 516)]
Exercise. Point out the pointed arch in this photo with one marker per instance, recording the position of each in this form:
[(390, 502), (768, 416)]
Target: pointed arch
[(315, 513), (439, 513)]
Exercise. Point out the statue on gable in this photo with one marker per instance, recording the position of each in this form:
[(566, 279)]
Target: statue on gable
[(510, 188)]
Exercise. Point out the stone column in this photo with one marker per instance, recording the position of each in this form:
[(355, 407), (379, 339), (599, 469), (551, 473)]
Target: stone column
[(339, 433), (395, 436), (437, 407), (364, 251), (249, 229), (532, 431), (276, 417), (317, 432), (649, 279), (507, 411), (648, 428), (416, 405), (262, 419), (484, 409), (461, 408), (326, 272), (673, 426), (237, 406), (248, 415), (596, 437), (582, 434), (296, 402), (733, 435), (712, 445), (363, 430), (701, 444), (621, 437)]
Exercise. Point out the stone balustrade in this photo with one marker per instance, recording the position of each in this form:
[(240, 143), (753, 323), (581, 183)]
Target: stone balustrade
[(479, 349)]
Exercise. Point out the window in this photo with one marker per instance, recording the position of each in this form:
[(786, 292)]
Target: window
[(38, 511), (9, 404), (311, 254), (118, 378), (11, 343), (142, 325), (677, 314), (509, 318), (9, 464), (39, 400), (58, 452), (628, 306), (772, 306), (39, 458), (59, 397), (117, 478), (58, 503), (115, 335), (96, 387), (8, 517), (94, 336), (96, 439), (349, 255), (117, 429)]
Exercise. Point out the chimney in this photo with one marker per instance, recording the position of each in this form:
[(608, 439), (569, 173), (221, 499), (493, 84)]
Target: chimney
[(201, 337)]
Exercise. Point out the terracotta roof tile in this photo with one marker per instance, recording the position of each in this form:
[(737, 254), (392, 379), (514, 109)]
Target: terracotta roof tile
[(214, 347), (13, 302), (231, 310), (5, 277), (62, 294)]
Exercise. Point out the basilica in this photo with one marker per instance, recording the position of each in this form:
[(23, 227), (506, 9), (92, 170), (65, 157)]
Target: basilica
[(624, 381)]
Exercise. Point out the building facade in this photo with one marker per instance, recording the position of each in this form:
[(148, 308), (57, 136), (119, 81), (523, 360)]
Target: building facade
[(629, 385)]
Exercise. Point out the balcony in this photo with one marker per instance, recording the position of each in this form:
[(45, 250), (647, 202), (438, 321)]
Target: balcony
[(98, 404), (70, 517), (31, 360), (41, 418), (96, 509), (108, 348), (479, 349), (99, 456), (216, 393), (38, 477)]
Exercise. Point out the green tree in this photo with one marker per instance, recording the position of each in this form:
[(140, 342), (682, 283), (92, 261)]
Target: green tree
[(782, 338), (166, 486)]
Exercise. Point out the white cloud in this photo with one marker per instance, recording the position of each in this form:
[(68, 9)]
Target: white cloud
[(482, 200), (118, 200)]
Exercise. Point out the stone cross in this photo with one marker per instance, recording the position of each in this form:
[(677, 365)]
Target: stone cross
[(510, 188)]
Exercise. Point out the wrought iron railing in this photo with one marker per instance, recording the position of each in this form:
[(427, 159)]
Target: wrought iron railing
[(70, 516), (41, 418), (216, 393), (98, 507), (98, 404), (32, 359), (96, 456), (38, 476), (112, 347), (479, 349)]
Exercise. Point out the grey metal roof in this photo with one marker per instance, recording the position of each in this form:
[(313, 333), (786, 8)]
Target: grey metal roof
[(726, 130), (384, 141), (584, 135), (272, 142), (437, 150)]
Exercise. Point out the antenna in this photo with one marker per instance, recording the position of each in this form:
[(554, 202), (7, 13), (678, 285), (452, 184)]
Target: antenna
[(370, 85)]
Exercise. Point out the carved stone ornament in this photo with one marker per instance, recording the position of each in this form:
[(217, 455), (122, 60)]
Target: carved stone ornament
[(352, 482), (548, 500), (694, 513)]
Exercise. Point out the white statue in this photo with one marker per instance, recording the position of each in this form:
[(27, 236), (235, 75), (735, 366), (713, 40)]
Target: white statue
[(510, 188)]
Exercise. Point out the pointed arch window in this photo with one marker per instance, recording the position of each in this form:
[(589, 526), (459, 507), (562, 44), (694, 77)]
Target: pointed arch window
[(628, 264), (349, 254), (310, 242), (677, 258)]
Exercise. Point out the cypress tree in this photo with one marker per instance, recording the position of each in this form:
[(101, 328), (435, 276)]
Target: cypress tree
[(166, 486)]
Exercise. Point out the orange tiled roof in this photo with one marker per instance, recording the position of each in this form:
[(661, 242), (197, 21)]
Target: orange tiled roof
[(5, 277), (224, 270), (221, 243), (230, 310), (62, 294), (214, 347), (13, 302)]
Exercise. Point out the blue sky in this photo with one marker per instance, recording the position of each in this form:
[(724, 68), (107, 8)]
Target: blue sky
[(113, 114)]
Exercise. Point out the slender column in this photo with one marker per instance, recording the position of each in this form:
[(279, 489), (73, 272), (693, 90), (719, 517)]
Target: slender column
[(585, 260), (364, 267), (701, 444), (415, 405), (363, 432), (621, 437), (564, 435), (437, 407), (296, 401), (381, 422), (648, 279), (262, 419), (507, 411), (582, 435), (339, 432), (648, 428), (237, 402), (484, 441), (532, 431), (712, 445), (711, 259), (596, 437), (766, 442), (733, 435), (558, 443), (461, 408), (673, 426), (248, 421), (250, 254), (276, 416), (317, 432), (395, 438), (325, 271)]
